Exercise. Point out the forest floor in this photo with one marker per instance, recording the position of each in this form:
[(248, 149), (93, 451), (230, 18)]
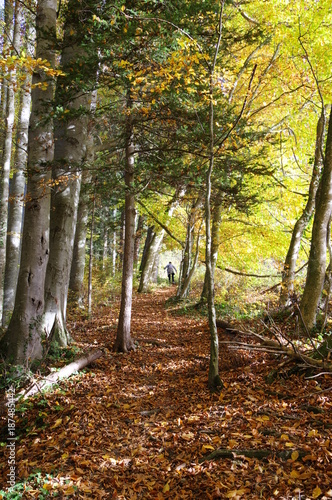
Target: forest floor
[(137, 426)]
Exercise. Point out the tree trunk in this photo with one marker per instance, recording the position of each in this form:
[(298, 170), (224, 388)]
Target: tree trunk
[(78, 261), (317, 257), (105, 246), (151, 253), (187, 269), (76, 280), (15, 216), (71, 135), (288, 275), (214, 380), (92, 228), (7, 149), (114, 252), (124, 342), (22, 341), (138, 238), (147, 243), (215, 242), (187, 281)]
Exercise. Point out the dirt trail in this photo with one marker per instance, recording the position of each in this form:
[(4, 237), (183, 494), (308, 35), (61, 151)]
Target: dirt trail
[(135, 426)]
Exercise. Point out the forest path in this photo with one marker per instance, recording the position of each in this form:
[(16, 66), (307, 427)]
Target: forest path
[(134, 426)]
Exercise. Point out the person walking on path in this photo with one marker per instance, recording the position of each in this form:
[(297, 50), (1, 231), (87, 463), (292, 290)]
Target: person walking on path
[(170, 272)]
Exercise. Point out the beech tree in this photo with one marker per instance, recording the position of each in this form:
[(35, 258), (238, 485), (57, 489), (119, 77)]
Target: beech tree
[(23, 340), (13, 21), (73, 101), (18, 183), (287, 286), (317, 257), (124, 341)]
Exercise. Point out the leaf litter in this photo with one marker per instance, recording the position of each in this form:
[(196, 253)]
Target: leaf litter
[(145, 426)]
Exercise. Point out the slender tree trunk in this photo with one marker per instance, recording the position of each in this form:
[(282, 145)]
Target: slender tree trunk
[(122, 231), (105, 246), (114, 252), (287, 286), (22, 341), (187, 269), (317, 258), (78, 261), (138, 238), (151, 253), (124, 342), (15, 216), (214, 380), (92, 228), (186, 259), (187, 281), (7, 150), (215, 242), (147, 243), (76, 280)]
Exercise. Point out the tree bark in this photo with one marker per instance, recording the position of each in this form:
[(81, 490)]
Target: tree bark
[(214, 380), (151, 253), (22, 341), (71, 135), (215, 242), (7, 147), (288, 275), (64, 372), (114, 252), (78, 261), (92, 228), (124, 342), (317, 257), (138, 238), (17, 190), (187, 280), (147, 243)]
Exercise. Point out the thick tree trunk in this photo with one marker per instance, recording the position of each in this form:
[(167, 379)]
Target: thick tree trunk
[(7, 149), (124, 342), (71, 136), (15, 216), (317, 258), (22, 341), (288, 275)]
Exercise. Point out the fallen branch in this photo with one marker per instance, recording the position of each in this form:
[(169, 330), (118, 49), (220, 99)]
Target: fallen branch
[(259, 454), (65, 372), (277, 348)]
